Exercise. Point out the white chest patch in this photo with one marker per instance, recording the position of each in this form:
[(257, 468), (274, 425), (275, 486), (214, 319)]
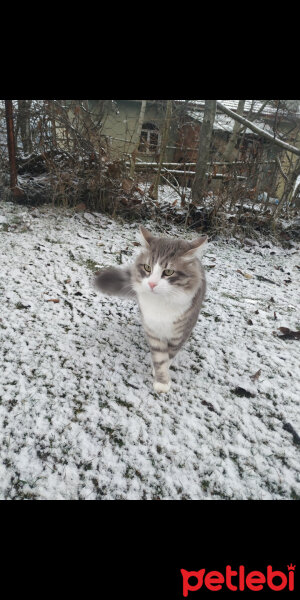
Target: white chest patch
[(159, 314)]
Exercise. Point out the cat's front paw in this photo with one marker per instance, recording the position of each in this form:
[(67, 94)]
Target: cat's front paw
[(161, 387)]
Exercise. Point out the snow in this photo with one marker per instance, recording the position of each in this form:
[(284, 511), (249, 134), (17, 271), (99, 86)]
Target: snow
[(167, 195), (78, 415)]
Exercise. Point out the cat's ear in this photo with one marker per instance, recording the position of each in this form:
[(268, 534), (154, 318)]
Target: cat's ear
[(197, 248), (144, 236)]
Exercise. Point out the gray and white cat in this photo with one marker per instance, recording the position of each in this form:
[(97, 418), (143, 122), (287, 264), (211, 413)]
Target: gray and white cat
[(168, 282)]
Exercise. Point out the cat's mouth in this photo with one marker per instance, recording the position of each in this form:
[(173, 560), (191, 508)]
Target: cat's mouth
[(151, 291)]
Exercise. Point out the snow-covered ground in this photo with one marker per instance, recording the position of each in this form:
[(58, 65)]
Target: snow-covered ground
[(78, 415)]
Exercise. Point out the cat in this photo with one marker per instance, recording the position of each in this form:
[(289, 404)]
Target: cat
[(168, 282)]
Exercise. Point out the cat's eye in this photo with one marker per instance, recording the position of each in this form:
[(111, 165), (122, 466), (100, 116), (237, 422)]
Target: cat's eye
[(168, 272), (147, 268)]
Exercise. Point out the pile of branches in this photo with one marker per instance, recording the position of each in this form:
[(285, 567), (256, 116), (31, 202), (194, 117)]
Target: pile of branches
[(68, 179)]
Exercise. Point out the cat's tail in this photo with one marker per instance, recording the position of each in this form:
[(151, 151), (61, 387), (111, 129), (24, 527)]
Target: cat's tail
[(115, 282)]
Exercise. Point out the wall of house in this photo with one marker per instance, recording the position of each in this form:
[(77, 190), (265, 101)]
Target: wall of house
[(187, 143), (120, 126)]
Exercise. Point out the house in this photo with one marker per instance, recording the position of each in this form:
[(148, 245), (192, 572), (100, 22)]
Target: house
[(122, 132), (266, 175)]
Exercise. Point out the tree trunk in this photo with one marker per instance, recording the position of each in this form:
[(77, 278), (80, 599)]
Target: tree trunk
[(23, 123), (138, 135), (287, 195), (230, 151), (164, 141), (200, 181), (51, 110), (11, 144)]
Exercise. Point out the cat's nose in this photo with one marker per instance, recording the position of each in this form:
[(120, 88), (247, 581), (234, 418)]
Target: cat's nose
[(152, 285)]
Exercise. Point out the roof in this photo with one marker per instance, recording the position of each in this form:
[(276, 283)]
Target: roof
[(253, 105), (223, 122)]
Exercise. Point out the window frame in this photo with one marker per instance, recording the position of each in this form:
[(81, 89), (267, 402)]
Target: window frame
[(145, 144)]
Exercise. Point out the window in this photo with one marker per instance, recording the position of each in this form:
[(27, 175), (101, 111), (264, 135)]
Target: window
[(150, 138)]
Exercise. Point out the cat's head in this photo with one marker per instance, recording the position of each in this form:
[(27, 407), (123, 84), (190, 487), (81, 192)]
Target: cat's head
[(168, 266)]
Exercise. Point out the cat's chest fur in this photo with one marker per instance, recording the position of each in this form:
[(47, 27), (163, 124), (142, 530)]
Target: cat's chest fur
[(160, 315)]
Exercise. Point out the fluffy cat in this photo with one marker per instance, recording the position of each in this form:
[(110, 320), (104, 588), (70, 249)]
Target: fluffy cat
[(168, 282)]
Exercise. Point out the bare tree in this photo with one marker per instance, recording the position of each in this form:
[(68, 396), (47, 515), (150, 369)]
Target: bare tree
[(51, 110), (23, 124), (164, 141), (11, 144), (230, 151), (138, 135), (289, 185), (200, 180)]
